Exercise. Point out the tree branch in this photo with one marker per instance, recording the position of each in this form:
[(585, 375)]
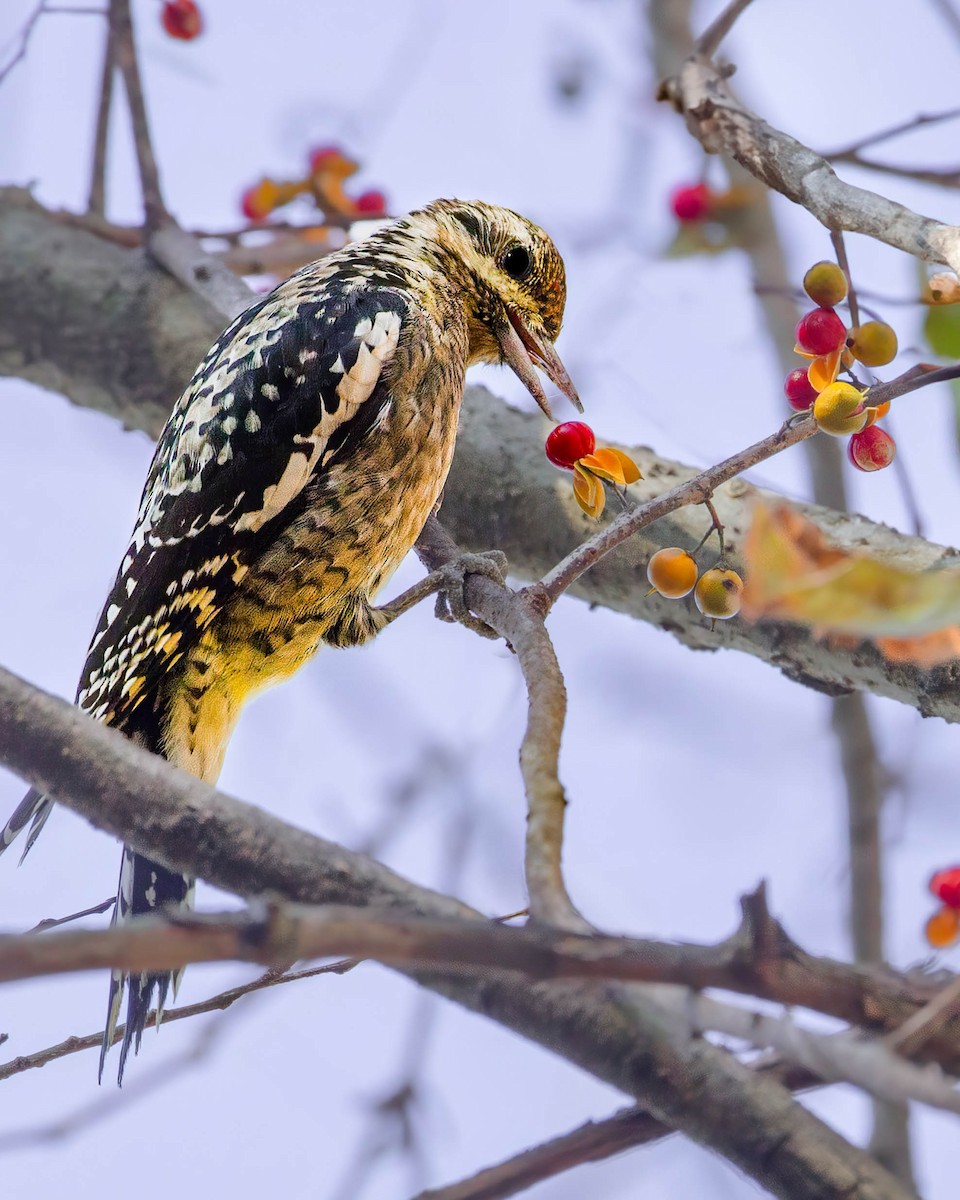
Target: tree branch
[(190, 827), (699, 91), (57, 280)]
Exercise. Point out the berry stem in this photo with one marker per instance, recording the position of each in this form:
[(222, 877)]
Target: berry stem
[(840, 249), (716, 525)]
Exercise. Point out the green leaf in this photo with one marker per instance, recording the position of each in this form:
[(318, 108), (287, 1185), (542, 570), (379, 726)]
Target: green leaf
[(941, 328)]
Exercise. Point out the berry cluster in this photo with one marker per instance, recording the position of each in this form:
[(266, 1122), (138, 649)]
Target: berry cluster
[(573, 447), (329, 168), (674, 573), (181, 19), (822, 337), (943, 928)]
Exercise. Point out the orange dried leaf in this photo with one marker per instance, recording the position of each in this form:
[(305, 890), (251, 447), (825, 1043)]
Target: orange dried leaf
[(794, 574), (928, 650)]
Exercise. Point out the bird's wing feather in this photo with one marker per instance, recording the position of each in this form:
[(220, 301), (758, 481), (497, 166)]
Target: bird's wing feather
[(291, 387)]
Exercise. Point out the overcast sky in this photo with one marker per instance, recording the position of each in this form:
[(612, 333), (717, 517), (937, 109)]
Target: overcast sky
[(681, 768)]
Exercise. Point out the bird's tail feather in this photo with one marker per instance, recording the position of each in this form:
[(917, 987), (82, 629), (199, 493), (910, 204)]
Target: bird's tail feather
[(145, 887), (35, 808)]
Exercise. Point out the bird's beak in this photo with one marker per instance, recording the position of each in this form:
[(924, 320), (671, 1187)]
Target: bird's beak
[(523, 349)]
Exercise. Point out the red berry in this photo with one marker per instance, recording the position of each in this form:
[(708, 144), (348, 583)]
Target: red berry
[(691, 202), (568, 443), (181, 19), (372, 204), (945, 885), (820, 331), (799, 390), (871, 449)]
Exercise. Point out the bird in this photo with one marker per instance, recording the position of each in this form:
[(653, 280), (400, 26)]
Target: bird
[(294, 474)]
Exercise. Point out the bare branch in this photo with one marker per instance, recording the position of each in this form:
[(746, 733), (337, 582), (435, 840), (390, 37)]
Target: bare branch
[(121, 35), (721, 123), (96, 202), (688, 1083), (592, 1142), (223, 1000), (844, 1057), (892, 131), (519, 619), (709, 41)]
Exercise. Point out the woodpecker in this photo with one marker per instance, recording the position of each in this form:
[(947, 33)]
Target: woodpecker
[(294, 474)]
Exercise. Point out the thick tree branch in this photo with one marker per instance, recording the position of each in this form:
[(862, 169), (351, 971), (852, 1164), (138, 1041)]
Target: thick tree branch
[(94, 321), (188, 826)]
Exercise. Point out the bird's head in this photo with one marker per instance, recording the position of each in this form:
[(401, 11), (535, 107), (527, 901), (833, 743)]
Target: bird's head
[(512, 277)]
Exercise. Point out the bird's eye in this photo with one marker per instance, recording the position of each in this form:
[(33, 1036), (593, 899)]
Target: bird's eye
[(516, 262)]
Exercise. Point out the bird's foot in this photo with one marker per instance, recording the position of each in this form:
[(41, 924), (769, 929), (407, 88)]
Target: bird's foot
[(447, 584), (451, 598)]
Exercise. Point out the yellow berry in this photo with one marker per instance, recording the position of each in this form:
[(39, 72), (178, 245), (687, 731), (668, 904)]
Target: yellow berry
[(672, 572), (874, 344), (718, 593), (825, 284), (839, 409)]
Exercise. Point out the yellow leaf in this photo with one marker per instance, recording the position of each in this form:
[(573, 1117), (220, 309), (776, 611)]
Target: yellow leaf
[(588, 491), (794, 574)]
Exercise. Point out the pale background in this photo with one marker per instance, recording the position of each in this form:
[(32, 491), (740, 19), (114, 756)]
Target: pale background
[(691, 776)]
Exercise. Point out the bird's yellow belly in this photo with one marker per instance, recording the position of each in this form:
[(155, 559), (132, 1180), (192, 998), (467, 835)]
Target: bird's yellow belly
[(313, 584)]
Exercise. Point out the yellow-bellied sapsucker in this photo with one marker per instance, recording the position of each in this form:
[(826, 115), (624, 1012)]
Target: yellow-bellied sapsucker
[(294, 474)]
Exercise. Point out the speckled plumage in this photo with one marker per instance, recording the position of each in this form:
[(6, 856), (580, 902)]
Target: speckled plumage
[(293, 476)]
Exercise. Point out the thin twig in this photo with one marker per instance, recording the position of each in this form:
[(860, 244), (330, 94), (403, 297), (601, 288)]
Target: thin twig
[(713, 35), (223, 1000), (840, 250), (893, 131), (96, 202), (927, 1021), (949, 14), (592, 1142), (53, 922), (121, 32), (945, 177)]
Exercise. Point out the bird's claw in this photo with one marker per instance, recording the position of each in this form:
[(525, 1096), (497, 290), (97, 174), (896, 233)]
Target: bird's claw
[(451, 604)]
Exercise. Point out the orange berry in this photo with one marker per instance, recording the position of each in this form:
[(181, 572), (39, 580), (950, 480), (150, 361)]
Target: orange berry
[(839, 409), (672, 572), (718, 593), (943, 928), (825, 284), (874, 344)]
